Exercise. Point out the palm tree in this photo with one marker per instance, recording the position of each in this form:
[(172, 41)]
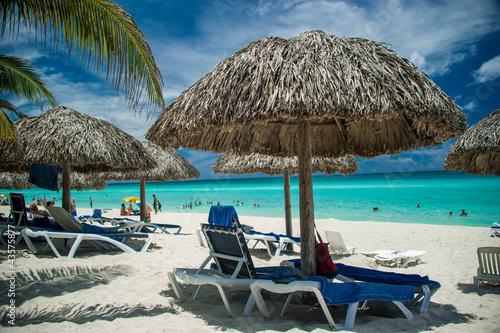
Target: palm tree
[(97, 30), (18, 77)]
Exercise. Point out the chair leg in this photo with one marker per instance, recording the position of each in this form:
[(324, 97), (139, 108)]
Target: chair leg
[(249, 306), (226, 301), (175, 286), (403, 309), (256, 292)]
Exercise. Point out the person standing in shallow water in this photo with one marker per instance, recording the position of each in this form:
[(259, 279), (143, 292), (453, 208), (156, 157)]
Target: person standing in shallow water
[(155, 204)]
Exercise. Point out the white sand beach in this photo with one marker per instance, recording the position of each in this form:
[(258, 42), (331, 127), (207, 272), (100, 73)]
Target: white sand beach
[(129, 292)]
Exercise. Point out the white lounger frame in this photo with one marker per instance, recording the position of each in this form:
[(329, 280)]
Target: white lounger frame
[(78, 237)]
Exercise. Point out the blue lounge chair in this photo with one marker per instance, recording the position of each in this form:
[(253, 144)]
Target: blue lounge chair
[(424, 287), (233, 266), (97, 236)]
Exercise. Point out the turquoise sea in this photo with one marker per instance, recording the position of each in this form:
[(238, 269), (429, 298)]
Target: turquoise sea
[(347, 198)]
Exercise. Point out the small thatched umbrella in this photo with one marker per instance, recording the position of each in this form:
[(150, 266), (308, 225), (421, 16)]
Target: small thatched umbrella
[(270, 165), (17, 181), (477, 151), (171, 166), (77, 142), (312, 95), (79, 181)]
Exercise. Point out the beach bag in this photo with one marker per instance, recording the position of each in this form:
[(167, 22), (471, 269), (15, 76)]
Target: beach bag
[(324, 263)]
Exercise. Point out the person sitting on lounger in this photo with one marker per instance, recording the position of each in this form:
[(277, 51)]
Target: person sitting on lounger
[(123, 210), (33, 208), (43, 222)]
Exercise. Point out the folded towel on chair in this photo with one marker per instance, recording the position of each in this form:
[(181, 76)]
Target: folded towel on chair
[(223, 216)]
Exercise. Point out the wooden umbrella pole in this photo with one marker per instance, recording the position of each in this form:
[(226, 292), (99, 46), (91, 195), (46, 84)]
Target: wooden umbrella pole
[(307, 238), (143, 199), (288, 207), (66, 187)]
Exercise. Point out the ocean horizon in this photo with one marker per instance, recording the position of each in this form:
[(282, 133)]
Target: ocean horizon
[(350, 198)]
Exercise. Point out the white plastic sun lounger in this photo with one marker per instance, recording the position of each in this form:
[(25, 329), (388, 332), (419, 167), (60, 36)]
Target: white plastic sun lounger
[(372, 254), (314, 287), (135, 226), (489, 265), (79, 237), (336, 243), (400, 259)]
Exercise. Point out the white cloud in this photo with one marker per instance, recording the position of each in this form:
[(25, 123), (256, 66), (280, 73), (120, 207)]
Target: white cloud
[(489, 71)]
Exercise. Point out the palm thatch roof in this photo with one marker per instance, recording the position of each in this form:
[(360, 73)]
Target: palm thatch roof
[(79, 181), (477, 151), (17, 181), (360, 97), (170, 166), (241, 164), (86, 144)]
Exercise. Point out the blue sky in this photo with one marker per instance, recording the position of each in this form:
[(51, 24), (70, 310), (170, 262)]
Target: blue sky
[(455, 42)]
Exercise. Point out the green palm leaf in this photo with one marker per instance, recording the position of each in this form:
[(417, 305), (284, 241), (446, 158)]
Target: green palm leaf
[(7, 130), (20, 78), (96, 30)]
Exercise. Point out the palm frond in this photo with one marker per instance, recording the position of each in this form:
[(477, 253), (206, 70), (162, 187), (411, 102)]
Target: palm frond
[(97, 30), (20, 78)]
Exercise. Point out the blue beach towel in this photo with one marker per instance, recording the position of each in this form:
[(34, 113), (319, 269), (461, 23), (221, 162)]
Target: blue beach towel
[(277, 236), (346, 293), (44, 176), (372, 275), (223, 216)]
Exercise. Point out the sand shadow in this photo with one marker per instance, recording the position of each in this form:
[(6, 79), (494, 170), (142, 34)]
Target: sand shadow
[(59, 280), (80, 314), (307, 318), (484, 289)]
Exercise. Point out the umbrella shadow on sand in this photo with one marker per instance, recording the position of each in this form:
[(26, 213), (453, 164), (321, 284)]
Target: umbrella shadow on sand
[(80, 313), (57, 281), (486, 288), (209, 307)]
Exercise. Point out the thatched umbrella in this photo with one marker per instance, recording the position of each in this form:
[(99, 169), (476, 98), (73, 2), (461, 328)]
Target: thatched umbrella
[(171, 166), (79, 181), (77, 142), (270, 165), (477, 151), (11, 180), (312, 95)]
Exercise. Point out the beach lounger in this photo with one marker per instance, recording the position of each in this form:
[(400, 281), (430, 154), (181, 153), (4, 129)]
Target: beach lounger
[(399, 259), (336, 243), (424, 287), (372, 254), (114, 238), (489, 265), (330, 293), (233, 266), (227, 216), (18, 218), (495, 230), (135, 226), (71, 224)]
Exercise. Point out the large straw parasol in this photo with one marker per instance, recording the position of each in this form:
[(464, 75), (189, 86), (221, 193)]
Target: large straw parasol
[(312, 95), (170, 166), (477, 151), (77, 142), (241, 164), (79, 181)]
